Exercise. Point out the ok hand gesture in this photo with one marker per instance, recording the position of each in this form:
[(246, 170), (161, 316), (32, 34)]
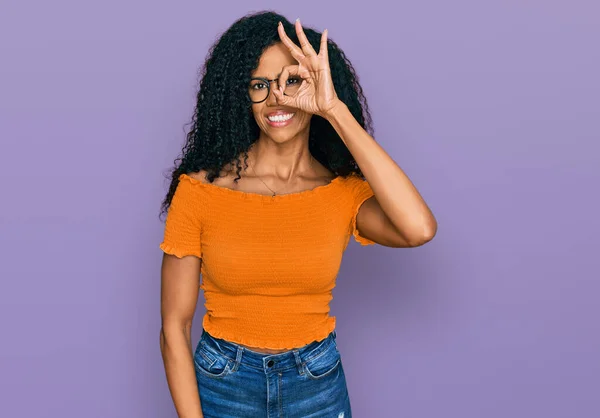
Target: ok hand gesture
[(316, 94)]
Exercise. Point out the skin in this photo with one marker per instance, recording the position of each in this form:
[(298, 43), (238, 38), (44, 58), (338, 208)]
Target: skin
[(397, 216)]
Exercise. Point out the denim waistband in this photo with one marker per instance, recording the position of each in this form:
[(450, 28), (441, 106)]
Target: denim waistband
[(272, 362)]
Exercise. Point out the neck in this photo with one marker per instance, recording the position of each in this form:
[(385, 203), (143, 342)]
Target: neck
[(283, 162)]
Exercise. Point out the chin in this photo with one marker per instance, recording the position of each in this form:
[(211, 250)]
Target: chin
[(281, 136)]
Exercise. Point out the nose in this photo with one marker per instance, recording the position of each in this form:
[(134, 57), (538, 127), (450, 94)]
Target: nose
[(271, 99)]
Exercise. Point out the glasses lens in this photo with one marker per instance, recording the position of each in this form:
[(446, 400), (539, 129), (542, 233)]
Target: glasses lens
[(292, 85), (258, 90)]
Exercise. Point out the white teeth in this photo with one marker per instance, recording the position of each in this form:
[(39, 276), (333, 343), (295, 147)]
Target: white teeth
[(281, 118)]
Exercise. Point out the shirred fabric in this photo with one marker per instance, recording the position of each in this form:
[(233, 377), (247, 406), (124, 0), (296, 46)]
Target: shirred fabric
[(361, 190), (183, 225), (269, 263)]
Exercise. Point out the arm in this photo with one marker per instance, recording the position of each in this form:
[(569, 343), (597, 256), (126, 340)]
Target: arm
[(397, 216), (179, 296)]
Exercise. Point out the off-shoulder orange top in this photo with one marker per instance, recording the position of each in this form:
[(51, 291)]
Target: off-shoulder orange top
[(269, 263)]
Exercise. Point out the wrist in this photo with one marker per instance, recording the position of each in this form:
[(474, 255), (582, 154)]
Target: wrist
[(336, 110)]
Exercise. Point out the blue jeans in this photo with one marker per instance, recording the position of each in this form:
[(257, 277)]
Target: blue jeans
[(235, 382)]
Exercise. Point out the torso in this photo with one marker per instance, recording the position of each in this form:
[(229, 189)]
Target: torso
[(249, 183), (264, 350)]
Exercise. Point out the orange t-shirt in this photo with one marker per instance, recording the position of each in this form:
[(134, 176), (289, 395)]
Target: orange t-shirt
[(269, 263)]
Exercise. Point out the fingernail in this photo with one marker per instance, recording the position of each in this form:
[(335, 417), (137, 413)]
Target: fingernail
[(298, 20)]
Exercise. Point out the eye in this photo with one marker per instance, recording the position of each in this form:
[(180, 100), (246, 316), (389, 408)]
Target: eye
[(294, 80), (257, 86)]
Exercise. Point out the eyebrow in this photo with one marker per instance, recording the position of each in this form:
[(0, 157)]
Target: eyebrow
[(262, 76)]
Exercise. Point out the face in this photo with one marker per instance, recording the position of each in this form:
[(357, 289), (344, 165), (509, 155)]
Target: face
[(270, 66)]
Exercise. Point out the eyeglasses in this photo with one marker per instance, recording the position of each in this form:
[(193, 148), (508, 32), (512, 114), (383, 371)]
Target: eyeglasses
[(259, 88)]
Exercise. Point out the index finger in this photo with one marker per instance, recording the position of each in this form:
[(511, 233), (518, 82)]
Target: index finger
[(293, 48)]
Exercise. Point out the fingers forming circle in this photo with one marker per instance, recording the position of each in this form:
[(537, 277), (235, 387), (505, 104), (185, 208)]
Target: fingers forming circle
[(290, 70)]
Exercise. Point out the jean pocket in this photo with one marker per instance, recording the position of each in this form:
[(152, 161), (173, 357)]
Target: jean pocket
[(324, 363), (210, 362)]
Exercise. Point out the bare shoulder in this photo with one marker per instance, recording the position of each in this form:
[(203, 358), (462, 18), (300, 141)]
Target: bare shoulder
[(324, 173), (199, 175), (225, 177)]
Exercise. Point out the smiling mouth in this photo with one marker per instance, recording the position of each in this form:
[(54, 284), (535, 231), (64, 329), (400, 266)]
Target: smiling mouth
[(280, 120)]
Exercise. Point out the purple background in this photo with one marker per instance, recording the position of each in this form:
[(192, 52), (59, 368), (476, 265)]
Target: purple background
[(492, 109)]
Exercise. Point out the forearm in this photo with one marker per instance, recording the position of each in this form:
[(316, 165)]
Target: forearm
[(396, 194), (175, 346)]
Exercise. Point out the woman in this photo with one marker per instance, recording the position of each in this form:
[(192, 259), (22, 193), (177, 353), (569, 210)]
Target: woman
[(268, 237)]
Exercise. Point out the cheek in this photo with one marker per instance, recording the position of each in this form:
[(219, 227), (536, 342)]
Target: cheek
[(255, 112), (304, 119)]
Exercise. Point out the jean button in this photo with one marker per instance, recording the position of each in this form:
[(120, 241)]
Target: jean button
[(270, 363)]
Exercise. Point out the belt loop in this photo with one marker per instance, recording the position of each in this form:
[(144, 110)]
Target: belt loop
[(298, 362), (238, 358)]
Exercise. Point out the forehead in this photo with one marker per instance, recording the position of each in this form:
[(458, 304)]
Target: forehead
[(273, 60)]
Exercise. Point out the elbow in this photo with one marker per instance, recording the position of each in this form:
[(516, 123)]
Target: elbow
[(426, 234), (163, 340), (430, 231), (170, 332)]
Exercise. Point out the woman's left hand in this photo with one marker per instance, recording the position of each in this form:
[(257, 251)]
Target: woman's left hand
[(316, 94)]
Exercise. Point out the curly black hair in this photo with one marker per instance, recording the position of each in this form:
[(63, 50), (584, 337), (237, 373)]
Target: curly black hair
[(223, 127)]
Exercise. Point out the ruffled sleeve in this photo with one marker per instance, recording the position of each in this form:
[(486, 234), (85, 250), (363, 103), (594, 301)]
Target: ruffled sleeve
[(360, 191), (183, 225)]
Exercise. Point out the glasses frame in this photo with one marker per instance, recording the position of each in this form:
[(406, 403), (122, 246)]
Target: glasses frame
[(268, 83)]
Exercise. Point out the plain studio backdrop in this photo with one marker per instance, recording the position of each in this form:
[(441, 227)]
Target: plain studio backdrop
[(492, 110)]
